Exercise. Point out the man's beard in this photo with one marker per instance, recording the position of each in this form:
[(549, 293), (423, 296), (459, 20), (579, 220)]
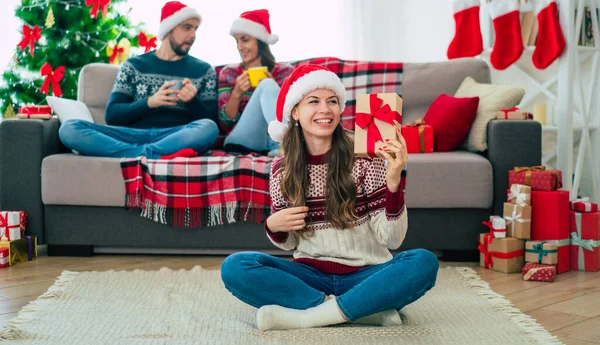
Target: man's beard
[(177, 48)]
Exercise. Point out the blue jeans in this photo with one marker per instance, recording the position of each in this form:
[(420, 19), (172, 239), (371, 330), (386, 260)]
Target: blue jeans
[(250, 131), (92, 139), (259, 279)]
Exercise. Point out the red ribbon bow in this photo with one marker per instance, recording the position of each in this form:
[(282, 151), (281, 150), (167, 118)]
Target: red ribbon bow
[(30, 36), (115, 52), (488, 223), (53, 77), (382, 113), (103, 4), (146, 43), (508, 111)]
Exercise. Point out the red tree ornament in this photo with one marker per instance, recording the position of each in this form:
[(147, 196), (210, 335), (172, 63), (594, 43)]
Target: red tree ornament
[(30, 36), (52, 77)]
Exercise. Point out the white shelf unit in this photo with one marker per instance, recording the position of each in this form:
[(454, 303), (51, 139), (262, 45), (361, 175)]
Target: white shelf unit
[(570, 87)]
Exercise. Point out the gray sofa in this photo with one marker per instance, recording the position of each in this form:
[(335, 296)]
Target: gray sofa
[(76, 204)]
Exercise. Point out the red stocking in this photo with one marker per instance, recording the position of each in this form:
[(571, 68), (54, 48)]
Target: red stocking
[(508, 43), (550, 43), (467, 41)]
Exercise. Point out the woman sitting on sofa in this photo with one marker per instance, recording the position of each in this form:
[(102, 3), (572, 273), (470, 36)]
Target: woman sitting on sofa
[(341, 214), (244, 109)]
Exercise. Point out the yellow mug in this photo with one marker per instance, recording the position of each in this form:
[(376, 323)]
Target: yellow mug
[(256, 74)]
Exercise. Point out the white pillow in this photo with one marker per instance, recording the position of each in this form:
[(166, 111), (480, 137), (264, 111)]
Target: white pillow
[(67, 109), (492, 99)]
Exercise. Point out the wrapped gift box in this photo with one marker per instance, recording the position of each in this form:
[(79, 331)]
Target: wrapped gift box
[(10, 226), (418, 136), (18, 251), (4, 257), (35, 112), (378, 117), (501, 254), (519, 194), (540, 252), (585, 241), (539, 272), (583, 205), (550, 223), (518, 221), (538, 178), (513, 114), (497, 226)]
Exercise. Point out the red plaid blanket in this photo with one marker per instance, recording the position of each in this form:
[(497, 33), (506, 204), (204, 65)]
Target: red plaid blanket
[(199, 191)]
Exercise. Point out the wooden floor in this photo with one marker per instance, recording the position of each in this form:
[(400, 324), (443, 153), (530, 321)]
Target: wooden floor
[(569, 307)]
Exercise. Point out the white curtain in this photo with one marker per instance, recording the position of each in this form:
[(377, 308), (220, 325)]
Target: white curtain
[(397, 30)]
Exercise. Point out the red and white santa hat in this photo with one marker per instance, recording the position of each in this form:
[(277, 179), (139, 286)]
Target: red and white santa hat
[(303, 80), (174, 13), (256, 24)]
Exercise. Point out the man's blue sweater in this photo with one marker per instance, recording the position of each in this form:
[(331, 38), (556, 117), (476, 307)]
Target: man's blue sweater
[(141, 76)]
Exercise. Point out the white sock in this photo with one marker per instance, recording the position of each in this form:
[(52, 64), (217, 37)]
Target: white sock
[(386, 318), (276, 317)]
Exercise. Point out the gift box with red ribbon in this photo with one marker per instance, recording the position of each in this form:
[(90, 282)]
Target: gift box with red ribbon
[(497, 226), (538, 272), (418, 136), (550, 223), (4, 257), (585, 241), (43, 112), (583, 205), (537, 177), (12, 225), (501, 254), (378, 117), (513, 114)]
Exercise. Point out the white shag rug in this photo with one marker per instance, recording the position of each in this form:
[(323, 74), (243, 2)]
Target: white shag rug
[(193, 307)]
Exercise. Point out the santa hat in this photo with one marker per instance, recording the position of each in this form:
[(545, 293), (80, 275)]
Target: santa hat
[(174, 13), (256, 24), (303, 80)]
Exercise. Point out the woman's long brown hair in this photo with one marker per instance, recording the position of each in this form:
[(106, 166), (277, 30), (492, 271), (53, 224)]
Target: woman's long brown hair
[(340, 190)]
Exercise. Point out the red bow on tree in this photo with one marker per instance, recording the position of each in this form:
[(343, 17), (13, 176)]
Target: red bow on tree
[(116, 51), (30, 36), (103, 4), (146, 43), (53, 77), (385, 114)]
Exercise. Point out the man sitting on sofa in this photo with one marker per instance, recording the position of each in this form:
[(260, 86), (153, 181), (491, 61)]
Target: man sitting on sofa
[(163, 103)]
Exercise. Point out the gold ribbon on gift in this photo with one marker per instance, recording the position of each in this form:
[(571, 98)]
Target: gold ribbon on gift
[(528, 171), (118, 53), (420, 124)]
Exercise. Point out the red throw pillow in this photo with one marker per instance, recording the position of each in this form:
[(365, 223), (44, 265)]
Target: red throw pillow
[(451, 119)]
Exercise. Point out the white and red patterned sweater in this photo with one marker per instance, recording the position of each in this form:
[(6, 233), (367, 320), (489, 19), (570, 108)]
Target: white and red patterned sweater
[(381, 225)]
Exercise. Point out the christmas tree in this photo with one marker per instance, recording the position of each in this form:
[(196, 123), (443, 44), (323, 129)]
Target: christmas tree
[(59, 37)]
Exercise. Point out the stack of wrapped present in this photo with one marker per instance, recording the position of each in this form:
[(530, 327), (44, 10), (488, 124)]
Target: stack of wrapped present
[(15, 247), (541, 259), (584, 224)]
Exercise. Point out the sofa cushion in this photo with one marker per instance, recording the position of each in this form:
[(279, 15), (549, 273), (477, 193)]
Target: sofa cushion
[(69, 179), (436, 180), (94, 87), (451, 119), (458, 179), (492, 99)]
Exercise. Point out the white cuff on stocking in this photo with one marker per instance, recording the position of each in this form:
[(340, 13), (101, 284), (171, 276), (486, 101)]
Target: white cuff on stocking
[(460, 5), (499, 8)]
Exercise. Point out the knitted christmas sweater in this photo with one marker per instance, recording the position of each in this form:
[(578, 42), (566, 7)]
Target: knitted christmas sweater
[(381, 225), (141, 76), (227, 78)]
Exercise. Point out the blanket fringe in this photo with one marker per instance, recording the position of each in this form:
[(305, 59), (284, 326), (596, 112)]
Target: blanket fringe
[(522, 321), (208, 216), (32, 311)]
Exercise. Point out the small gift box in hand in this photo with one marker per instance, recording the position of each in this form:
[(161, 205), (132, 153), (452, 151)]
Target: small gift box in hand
[(378, 117)]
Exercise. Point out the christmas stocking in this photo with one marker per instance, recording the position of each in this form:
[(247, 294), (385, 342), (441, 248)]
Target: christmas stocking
[(467, 41), (550, 43), (508, 43)]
